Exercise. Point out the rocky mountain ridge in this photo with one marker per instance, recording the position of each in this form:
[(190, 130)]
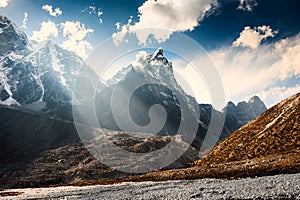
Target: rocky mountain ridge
[(40, 76), (276, 131), (156, 69), (36, 89)]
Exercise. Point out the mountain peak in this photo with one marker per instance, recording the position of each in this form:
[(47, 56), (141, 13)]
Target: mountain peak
[(158, 53), (158, 58), (272, 133), (230, 103), (254, 99), (12, 38)]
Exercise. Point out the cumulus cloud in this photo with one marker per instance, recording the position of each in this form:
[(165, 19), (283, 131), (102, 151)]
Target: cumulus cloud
[(260, 71), (24, 22), (123, 30), (246, 72), (56, 12), (3, 3), (247, 5), (170, 15), (93, 10), (276, 94), (253, 37), (75, 32), (47, 29)]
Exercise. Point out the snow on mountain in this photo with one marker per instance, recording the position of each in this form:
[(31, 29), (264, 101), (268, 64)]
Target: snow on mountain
[(41, 76), (152, 77), (36, 75), (156, 68), (11, 37)]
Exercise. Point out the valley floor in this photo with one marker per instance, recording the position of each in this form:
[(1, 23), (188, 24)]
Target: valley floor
[(269, 187)]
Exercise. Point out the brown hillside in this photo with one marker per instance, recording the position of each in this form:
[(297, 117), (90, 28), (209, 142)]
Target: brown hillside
[(268, 145), (276, 131)]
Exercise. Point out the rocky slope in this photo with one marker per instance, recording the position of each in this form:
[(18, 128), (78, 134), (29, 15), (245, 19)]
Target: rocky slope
[(39, 151), (268, 145), (276, 131), (153, 78), (39, 76), (36, 122), (42, 77)]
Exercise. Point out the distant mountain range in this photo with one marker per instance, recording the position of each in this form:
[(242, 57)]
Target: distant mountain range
[(38, 76), (41, 77), (268, 145), (164, 90), (36, 90)]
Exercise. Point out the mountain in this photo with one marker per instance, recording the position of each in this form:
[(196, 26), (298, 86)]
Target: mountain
[(275, 132), (11, 37), (268, 145), (36, 151), (153, 78), (42, 77), (39, 144), (39, 76), (242, 113), (150, 82)]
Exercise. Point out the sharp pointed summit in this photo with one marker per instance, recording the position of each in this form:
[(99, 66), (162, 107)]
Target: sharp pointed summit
[(39, 76), (12, 38)]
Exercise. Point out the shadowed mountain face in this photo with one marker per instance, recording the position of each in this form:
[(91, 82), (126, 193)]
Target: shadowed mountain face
[(275, 132), (155, 82), (38, 137), (150, 82), (38, 151), (242, 113), (39, 76), (24, 134), (11, 37)]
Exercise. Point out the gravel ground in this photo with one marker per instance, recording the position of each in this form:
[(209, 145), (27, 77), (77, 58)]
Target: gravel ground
[(271, 187)]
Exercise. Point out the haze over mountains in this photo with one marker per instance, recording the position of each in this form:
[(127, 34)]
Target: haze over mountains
[(36, 90), (41, 77), (268, 145)]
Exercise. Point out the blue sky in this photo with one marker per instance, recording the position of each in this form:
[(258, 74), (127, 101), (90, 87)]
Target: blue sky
[(255, 44)]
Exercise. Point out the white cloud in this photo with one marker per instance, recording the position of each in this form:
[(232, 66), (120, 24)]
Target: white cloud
[(247, 5), (122, 31), (276, 94), (3, 3), (47, 29), (76, 34), (170, 15), (140, 57), (24, 22), (246, 72), (93, 10), (253, 37), (56, 12), (269, 71)]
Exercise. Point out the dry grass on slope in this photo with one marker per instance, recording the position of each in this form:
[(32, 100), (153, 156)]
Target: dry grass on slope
[(276, 131)]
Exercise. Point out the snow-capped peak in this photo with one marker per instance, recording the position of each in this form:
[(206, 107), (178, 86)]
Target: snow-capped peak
[(158, 53), (34, 72), (153, 66), (12, 38)]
